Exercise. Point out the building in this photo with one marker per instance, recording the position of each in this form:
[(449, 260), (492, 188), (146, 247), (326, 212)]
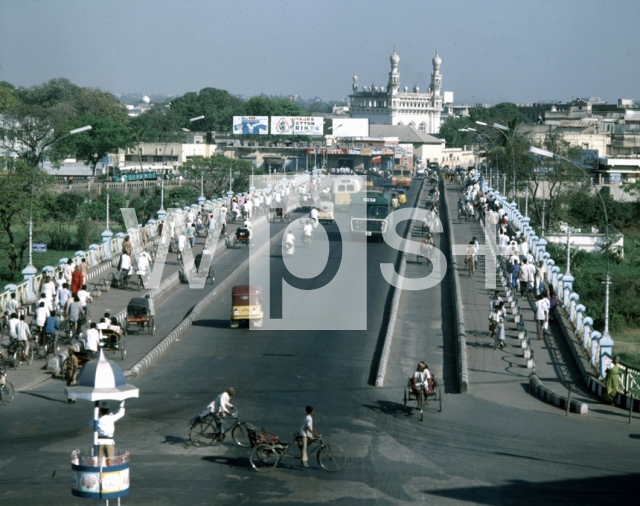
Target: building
[(426, 148), (392, 105)]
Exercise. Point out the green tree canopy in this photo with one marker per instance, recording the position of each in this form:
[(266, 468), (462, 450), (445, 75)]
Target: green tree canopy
[(217, 106), (49, 94), (215, 171)]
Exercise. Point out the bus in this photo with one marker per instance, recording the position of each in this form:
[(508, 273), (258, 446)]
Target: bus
[(343, 187), (368, 213), (401, 176), (141, 173)]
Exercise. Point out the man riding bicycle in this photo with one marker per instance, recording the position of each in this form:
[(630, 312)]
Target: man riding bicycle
[(307, 232), (314, 216), (220, 407), (421, 381)]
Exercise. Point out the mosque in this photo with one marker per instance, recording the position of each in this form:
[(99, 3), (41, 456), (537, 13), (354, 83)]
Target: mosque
[(393, 106)]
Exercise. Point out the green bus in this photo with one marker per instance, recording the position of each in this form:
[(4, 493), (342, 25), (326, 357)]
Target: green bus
[(369, 212)]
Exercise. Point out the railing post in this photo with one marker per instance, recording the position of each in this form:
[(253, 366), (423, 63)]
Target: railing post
[(580, 309), (106, 239), (587, 324), (595, 337), (573, 301), (606, 347)]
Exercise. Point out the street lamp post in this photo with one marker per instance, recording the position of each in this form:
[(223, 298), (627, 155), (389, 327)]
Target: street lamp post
[(605, 342), (30, 271)]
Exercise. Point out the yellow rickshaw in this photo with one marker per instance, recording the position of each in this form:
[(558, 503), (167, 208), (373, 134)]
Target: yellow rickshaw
[(402, 197), (246, 305)]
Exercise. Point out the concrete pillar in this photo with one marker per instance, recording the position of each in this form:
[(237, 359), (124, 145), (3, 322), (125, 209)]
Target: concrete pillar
[(595, 337), (29, 273), (606, 347), (587, 326), (106, 239)]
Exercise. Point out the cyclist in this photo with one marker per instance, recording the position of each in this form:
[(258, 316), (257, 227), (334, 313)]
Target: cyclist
[(41, 317), (92, 338), (220, 407), (125, 266), (307, 232), (313, 215), (11, 306), (13, 326), (52, 326), (289, 243), (73, 312), (421, 380), (85, 298), (470, 254), (460, 207)]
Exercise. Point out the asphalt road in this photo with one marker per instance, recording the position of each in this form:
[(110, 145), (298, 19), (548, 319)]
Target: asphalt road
[(474, 452)]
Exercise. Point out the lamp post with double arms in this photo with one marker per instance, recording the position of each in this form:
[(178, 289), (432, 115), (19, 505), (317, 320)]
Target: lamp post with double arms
[(548, 154)]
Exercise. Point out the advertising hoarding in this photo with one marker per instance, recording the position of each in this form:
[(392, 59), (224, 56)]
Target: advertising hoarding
[(296, 125), (350, 127), (251, 125)]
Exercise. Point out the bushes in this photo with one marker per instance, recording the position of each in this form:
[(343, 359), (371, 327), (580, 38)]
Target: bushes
[(60, 237), (87, 234)]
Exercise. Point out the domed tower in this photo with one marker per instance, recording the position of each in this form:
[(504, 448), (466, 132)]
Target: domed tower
[(354, 85), (436, 77), (394, 75)]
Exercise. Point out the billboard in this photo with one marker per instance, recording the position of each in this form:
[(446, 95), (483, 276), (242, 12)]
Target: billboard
[(350, 127), (251, 125), (296, 125)]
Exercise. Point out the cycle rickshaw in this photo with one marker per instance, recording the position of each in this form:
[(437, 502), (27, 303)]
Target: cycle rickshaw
[(139, 314), (113, 342), (267, 451), (432, 391), (279, 213)]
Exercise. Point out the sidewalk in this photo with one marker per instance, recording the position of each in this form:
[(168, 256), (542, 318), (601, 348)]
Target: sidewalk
[(554, 362), (170, 310)]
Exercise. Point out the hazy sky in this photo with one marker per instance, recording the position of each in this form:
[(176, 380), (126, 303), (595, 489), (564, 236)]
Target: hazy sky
[(492, 50)]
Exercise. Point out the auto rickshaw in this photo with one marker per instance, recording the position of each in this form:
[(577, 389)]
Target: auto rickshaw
[(246, 305), (402, 197), (325, 212), (140, 313)]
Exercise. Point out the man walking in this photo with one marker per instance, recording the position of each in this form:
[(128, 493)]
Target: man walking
[(71, 371), (542, 314), (307, 433)]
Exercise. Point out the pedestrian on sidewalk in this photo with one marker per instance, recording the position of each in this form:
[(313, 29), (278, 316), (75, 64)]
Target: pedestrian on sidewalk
[(541, 271), (526, 277), (71, 371), (68, 271), (611, 382), (127, 246), (496, 319), (542, 314), (76, 281), (552, 305), (84, 269), (49, 290), (523, 249), (515, 271), (307, 433)]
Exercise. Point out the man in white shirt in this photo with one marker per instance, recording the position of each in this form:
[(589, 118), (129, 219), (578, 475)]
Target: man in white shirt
[(182, 245), (63, 296), (41, 317), (523, 249), (527, 272), (542, 314), (289, 238), (13, 326), (68, 271), (220, 407), (23, 334), (49, 290), (11, 306), (307, 231), (420, 380), (125, 266), (313, 214), (92, 338), (247, 208), (85, 298), (143, 263), (307, 434), (105, 427)]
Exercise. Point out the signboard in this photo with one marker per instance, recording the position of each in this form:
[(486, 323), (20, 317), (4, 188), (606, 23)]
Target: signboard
[(296, 125), (350, 127), (251, 125), (590, 159), (42, 248)]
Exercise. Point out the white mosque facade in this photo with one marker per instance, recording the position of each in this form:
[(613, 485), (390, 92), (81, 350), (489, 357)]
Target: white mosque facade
[(395, 106)]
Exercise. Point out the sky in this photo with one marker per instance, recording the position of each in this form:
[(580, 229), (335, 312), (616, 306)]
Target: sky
[(492, 50)]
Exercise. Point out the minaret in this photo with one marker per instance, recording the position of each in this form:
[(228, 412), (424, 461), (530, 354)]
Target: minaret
[(355, 83), (436, 80), (394, 75)]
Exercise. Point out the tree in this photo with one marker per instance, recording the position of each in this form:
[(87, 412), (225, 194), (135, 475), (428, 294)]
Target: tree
[(14, 211), (217, 106), (30, 130), (105, 136), (8, 98), (159, 124), (49, 94), (99, 104), (96, 209), (215, 171), (265, 106)]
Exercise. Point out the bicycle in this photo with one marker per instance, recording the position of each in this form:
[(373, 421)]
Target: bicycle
[(6, 388), (204, 431), (268, 451), (17, 354)]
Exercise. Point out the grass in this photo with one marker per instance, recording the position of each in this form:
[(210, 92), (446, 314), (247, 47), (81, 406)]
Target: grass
[(50, 257)]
